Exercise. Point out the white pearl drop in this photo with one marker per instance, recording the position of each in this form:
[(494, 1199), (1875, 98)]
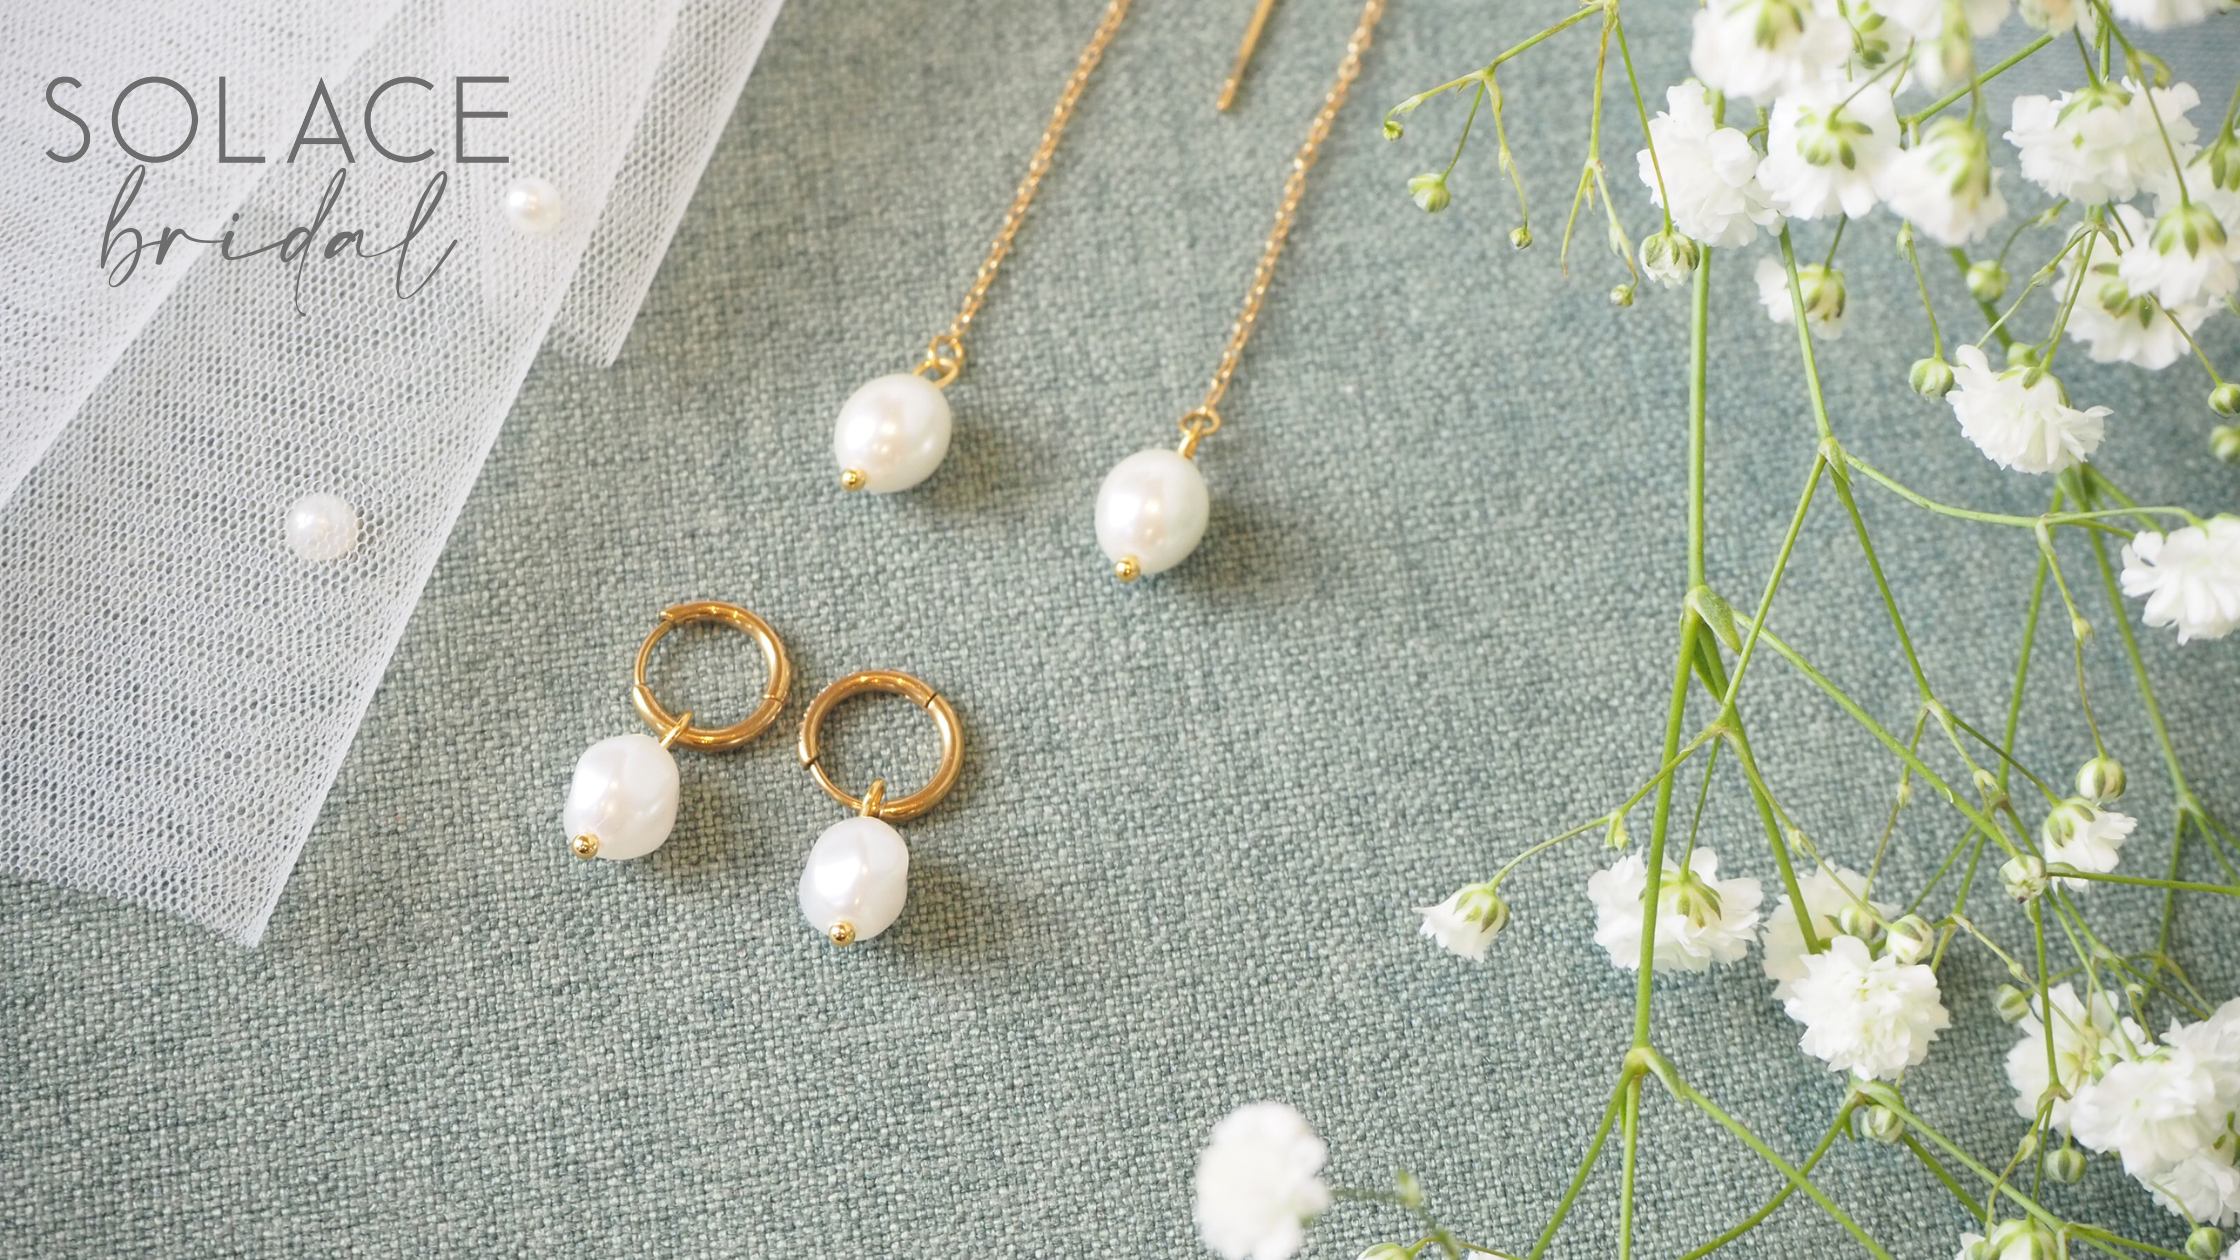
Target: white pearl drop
[(894, 430), (532, 206), (1152, 509), (858, 873), (625, 793), (322, 527)]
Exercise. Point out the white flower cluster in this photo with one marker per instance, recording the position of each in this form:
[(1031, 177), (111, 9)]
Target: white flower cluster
[(1868, 1003), (1259, 1181), (2155, 256), (2169, 1109)]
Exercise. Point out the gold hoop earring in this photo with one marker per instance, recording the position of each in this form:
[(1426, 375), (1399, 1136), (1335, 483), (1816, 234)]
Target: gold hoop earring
[(858, 874), (622, 801)]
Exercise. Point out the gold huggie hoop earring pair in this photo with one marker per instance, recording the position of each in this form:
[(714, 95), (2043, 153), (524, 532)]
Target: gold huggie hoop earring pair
[(622, 802)]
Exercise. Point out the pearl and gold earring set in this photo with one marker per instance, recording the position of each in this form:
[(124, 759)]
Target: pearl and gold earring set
[(1152, 508), (622, 802)]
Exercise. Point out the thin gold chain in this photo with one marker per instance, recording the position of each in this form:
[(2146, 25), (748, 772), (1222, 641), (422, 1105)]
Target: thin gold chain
[(946, 352), (1204, 419)]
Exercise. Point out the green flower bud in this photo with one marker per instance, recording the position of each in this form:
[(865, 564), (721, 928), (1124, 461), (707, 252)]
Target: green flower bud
[(1909, 939), (1987, 280), (1930, 378), (1857, 920), (1430, 192), (1385, 1251), (1622, 295), (2204, 1243), (2066, 1165), (1976, 1250), (2024, 877), (2100, 780), (2021, 1240), (2225, 399), (2224, 443), (2223, 160), (1883, 1124), (2024, 354), (2188, 226), (2012, 1005), (1409, 1188), (1669, 256), (1520, 238), (1392, 129)]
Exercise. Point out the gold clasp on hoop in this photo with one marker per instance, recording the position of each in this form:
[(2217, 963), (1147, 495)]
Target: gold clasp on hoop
[(875, 802), (944, 358), (679, 729), (1196, 424)]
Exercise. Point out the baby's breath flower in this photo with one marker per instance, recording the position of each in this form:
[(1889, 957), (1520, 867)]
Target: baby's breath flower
[(2100, 780), (1668, 257), (1873, 1017), (1930, 378), (1467, 921), (2225, 399), (1429, 191), (1709, 172), (2024, 877), (1987, 280), (2021, 418), (1827, 150), (2224, 443), (1701, 919), (1944, 184), (2189, 577), (2101, 143), (1258, 1182), (1767, 48), (2089, 839), (1824, 293)]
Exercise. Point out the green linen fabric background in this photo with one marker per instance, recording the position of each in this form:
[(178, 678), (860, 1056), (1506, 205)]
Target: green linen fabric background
[(1430, 624)]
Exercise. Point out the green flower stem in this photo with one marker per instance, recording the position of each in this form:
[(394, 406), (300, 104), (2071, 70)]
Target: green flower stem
[(1586, 1164), (2131, 58), (1841, 479), (1699, 371), (1936, 335), (1773, 584), (2206, 365), (1675, 712), (1944, 1175), (2022, 659), (1989, 828), (1889, 1098), (1953, 855), (1939, 105), (1761, 796), (1781, 1196), (2143, 881), (1682, 1090), (1641, 107), (2139, 674), (1472, 117), (1480, 74), (2045, 996), (2068, 303), (1630, 1128)]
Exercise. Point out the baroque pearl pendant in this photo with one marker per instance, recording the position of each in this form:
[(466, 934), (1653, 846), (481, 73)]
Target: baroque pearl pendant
[(623, 799), (856, 881), (892, 433), (1151, 512)]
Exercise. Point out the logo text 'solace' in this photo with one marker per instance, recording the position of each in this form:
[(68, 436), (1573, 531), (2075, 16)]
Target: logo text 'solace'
[(123, 246)]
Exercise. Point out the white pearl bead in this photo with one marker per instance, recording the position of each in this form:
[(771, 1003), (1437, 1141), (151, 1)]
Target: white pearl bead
[(894, 431), (532, 206), (322, 527), (858, 874), (625, 793), (1151, 509)]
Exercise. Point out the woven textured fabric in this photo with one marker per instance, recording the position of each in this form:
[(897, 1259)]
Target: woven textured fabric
[(1430, 623)]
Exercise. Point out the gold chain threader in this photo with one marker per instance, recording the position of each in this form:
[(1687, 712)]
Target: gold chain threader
[(1203, 419), (945, 353)]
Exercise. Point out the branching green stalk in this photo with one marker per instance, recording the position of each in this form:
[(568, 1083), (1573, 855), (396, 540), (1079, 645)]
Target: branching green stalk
[(1969, 88)]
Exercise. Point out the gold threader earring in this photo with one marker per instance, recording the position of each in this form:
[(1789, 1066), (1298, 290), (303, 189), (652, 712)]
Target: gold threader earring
[(859, 870), (893, 432), (623, 799), (1152, 508)]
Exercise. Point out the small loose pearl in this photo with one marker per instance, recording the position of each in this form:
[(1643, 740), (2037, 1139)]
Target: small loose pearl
[(892, 433), (532, 206), (1151, 512), (624, 796), (322, 527), (858, 876)]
